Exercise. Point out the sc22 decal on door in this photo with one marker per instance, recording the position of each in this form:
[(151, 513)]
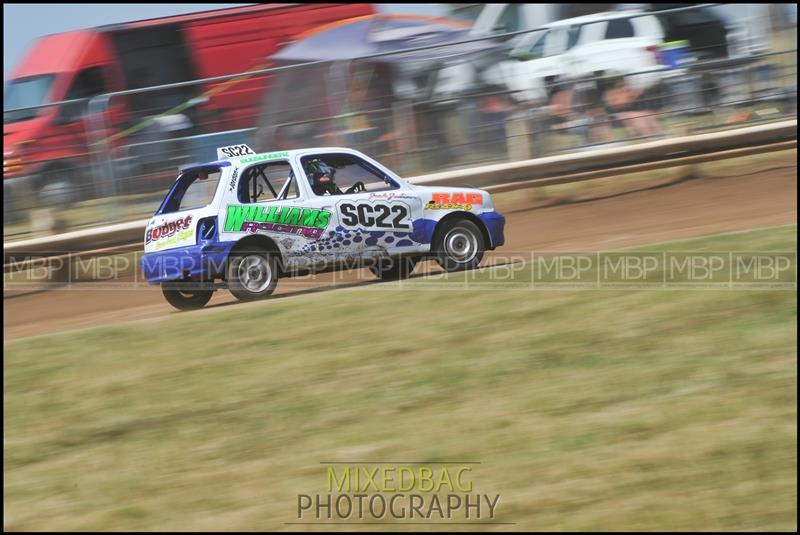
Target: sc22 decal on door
[(375, 216)]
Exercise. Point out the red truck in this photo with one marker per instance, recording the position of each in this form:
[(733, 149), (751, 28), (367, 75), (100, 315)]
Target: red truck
[(49, 145)]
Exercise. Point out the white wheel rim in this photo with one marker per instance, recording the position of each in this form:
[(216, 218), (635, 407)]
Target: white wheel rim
[(460, 245), (255, 273)]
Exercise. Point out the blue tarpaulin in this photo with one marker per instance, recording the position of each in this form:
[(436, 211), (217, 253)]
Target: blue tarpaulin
[(378, 34)]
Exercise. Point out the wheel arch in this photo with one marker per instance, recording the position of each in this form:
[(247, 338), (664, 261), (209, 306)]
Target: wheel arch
[(459, 215), (80, 176), (47, 168), (257, 241)]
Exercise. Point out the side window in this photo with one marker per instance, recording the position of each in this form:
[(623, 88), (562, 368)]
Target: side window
[(619, 29), (201, 191), (267, 182), (468, 12), (537, 50), (573, 35), (337, 174), (594, 31), (556, 42), (89, 83), (509, 20), (194, 189)]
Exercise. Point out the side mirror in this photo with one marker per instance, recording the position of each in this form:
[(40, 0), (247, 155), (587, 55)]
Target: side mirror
[(524, 55)]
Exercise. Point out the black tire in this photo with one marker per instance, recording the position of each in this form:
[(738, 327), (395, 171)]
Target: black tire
[(186, 296), (459, 245), (391, 269), (61, 187), (252, 274)]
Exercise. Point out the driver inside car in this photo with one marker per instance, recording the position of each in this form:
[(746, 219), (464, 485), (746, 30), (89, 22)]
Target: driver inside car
[(322, 179)]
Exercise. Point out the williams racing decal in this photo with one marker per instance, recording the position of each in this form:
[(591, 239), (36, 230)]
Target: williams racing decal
[(306, 222), (380, 216), (167, 229)]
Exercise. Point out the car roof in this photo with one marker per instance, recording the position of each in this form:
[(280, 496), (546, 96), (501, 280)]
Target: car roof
[(596, 17), (276, 155)]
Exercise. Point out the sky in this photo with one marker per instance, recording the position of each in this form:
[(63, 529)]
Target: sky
[(24, 23)]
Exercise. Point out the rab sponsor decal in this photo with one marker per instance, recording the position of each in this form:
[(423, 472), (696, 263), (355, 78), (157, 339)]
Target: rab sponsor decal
[(395, 216), (454, 201), (167, 229), (306, 222)]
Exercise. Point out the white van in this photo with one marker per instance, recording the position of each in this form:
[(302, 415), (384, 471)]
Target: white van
[(623, 42)]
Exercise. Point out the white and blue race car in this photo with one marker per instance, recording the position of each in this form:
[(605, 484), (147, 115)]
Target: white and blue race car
[(247, 219)]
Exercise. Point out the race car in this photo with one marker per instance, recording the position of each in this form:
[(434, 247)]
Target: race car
[(247, 219)]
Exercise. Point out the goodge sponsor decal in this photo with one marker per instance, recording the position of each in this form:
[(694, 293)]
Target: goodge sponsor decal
[(167, 229), (176, 239)]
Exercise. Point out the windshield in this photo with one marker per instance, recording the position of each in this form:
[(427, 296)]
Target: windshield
[(529, 46), (193, 189), (25, 93)]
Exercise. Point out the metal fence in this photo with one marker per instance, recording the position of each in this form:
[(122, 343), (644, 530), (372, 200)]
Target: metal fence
[(416, 115)]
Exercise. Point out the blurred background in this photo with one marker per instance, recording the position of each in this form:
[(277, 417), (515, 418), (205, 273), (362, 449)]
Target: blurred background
[(623, 407), (97, 120)]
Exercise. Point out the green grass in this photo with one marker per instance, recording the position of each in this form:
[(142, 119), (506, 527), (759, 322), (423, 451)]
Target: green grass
[(607, 410)]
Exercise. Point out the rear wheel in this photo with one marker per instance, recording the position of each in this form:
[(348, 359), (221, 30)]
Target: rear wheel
[(252, 275), (186, 295), (459, 245), (61, 186), (393, 268)]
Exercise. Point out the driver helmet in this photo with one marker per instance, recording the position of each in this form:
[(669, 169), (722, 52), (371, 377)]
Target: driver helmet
[(317, 170)]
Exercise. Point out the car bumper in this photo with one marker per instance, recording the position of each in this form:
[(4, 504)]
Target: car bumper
[(196, 262), (494, 223)]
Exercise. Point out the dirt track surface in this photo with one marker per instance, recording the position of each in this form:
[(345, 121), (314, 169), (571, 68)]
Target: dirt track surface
[(665, 212)]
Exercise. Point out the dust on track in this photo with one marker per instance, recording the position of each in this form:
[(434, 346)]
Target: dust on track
[(664, 212)]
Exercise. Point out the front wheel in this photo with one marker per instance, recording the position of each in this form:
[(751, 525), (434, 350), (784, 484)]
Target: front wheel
[(252, 275), (185, 296), (459, 245), (59, 187)]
